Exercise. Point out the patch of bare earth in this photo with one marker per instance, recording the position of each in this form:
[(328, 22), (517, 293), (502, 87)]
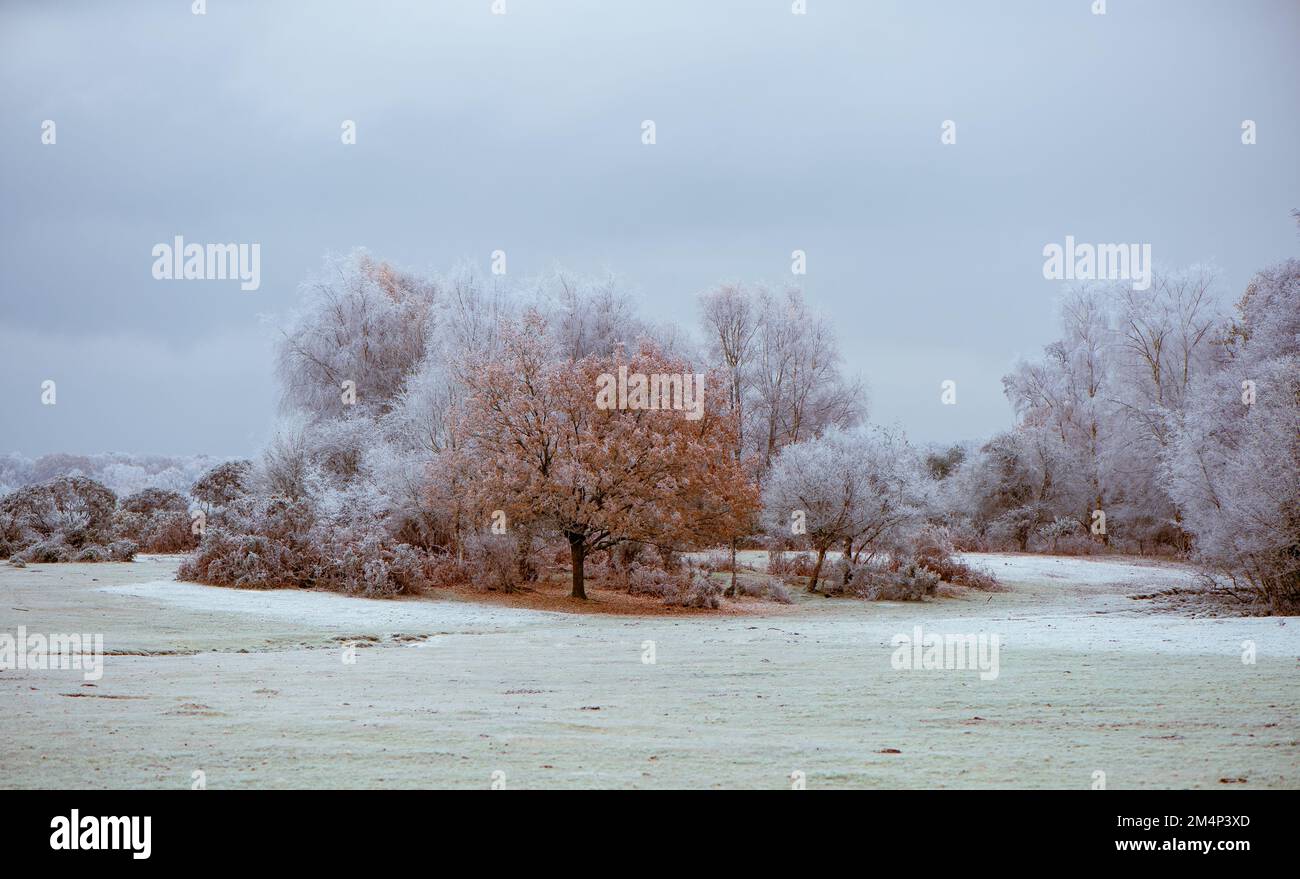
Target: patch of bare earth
[(555, 594)]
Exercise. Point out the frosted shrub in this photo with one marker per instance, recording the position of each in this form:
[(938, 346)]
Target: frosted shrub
[(788, 566), (369, 566), (153, 500), (246, 560), (157, 520), (933, 548), (11, 534), (967, 538), (655, 581), (446, 571), (911, 581), (1056, 529), (719, 561), (56, 519), (47, 550), (493, 561), (687, 587), (75, 507), (222, 485), (778, 593), (122, 550), (262, 543), (771, 590), (697, 589), (1078, 544)]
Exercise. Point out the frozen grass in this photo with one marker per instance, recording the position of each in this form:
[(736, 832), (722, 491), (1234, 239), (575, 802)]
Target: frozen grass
[(254, 692), (329, 609)]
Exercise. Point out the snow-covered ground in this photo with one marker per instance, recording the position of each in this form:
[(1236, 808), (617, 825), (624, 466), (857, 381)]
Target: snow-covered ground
[(1090, 571), (253, 688), (329, 610)]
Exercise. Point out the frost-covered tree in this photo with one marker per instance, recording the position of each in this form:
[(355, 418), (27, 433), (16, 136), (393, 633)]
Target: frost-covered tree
[(799, 388), (585, 316), (122, 473), (1234, 459), (730, 320), (782, 365), (856, 490), (1095, 408), (220, 486), (361, 330)]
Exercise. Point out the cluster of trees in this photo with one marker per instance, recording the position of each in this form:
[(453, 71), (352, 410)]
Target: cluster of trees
[(442, 428), (1159, 422), (1096, 415), (446, 429), (122, 473), (1233, 460), (782, 370)]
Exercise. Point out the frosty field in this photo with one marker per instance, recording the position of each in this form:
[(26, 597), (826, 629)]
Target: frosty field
[(250, 688)]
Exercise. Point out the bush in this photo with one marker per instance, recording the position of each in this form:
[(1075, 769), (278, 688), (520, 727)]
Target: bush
[(788, 566), (771, 590), (94, 553), (778, 593), (648, 580), (156, 520), (446, 571), (275, 542), (933, 548), (493, 558), (74, 509), (69, 518), (221, 486), (684, 587), (154, 500), (225, 559), (48, 550), (719, 561), (966, 538), (698, 589), (1078, 544), (912, 581)]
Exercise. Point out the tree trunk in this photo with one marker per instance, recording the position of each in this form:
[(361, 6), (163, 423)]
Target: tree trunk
[(525, 570), (817, 570), (578, 553), (734, 593)]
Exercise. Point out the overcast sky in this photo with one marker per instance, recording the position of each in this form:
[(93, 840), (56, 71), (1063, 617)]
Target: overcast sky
[(522, 132)]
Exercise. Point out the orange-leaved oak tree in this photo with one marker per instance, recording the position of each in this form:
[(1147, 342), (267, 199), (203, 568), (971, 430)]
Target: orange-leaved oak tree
[(605, 449)]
